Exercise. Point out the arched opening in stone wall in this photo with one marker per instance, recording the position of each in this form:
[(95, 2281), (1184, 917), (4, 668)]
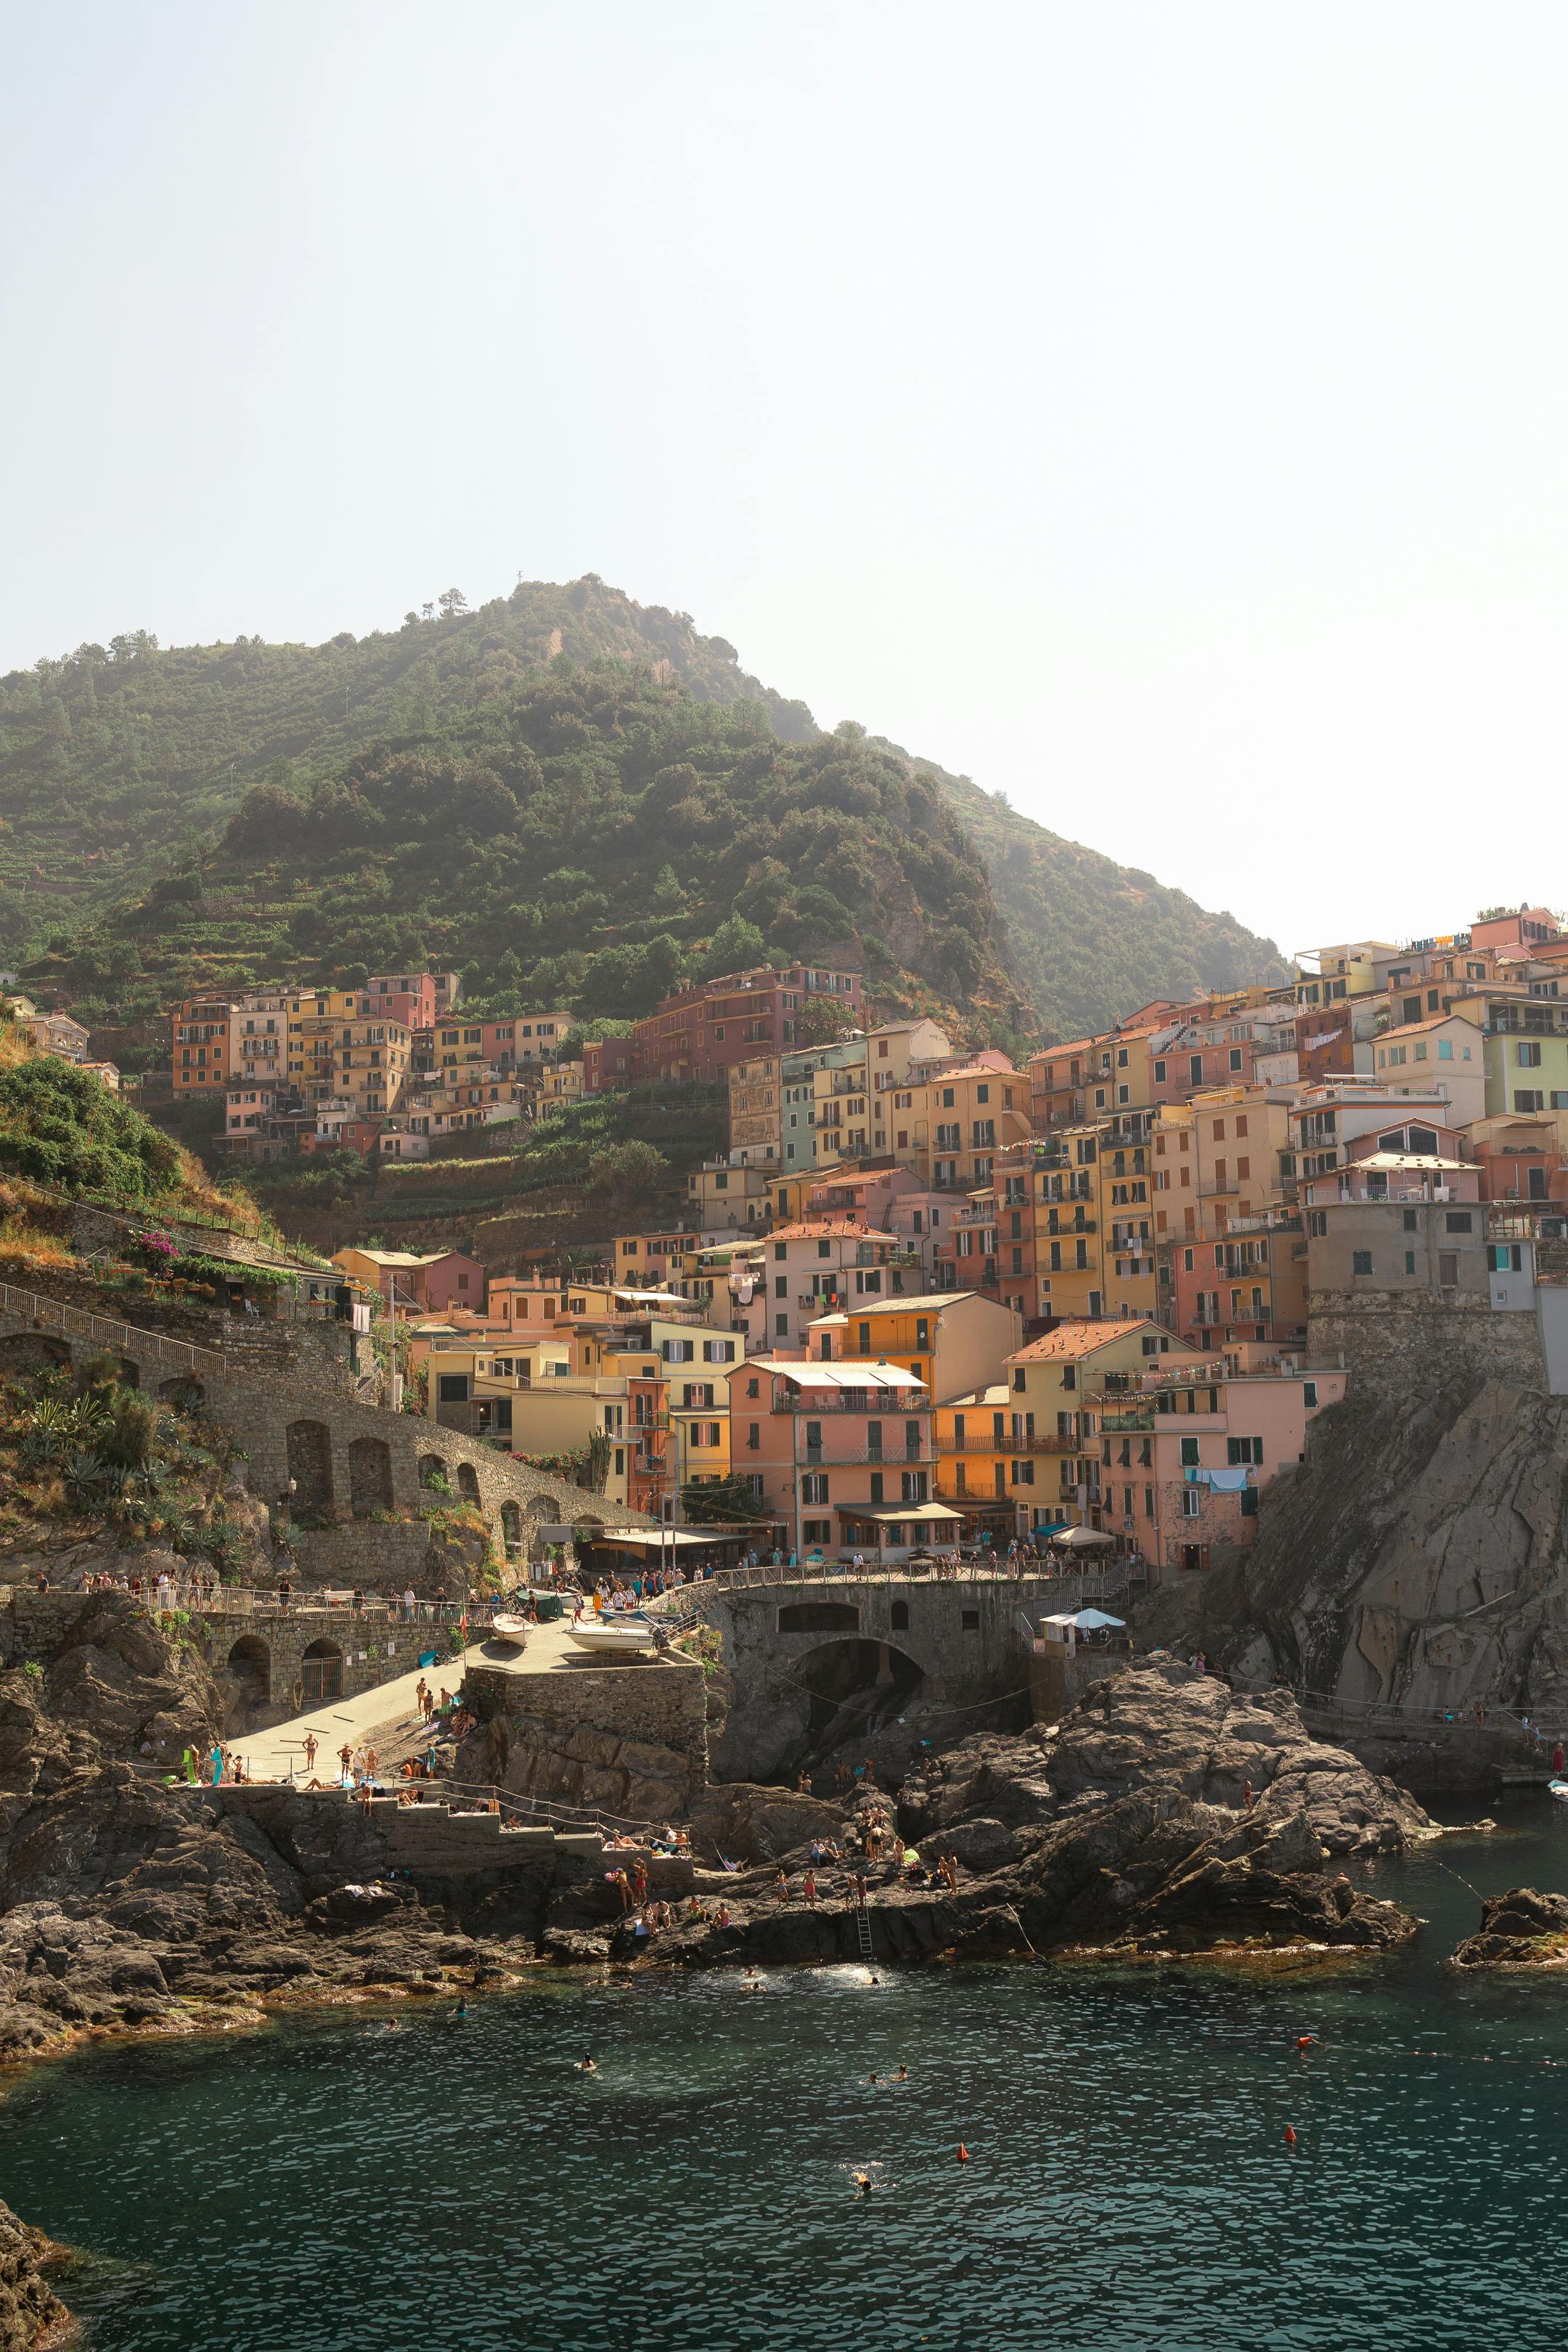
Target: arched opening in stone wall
[(819, 1617), (310, 1449), (250, 1671), (370, 1476), (184, 1392), (853, 1686), (511, 1529), (433, 1471), (322, 1673), (547, 1510), (26, 1352), (127, 1373), (468, 1482)]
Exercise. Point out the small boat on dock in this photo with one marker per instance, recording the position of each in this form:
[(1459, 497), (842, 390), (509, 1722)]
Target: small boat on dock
[(613, 1636), (514, 1630)]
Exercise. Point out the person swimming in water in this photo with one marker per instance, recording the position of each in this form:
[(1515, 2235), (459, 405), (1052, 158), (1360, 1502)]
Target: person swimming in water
[(902, 2075), (862, 2184), (872, 2075), (586, 2064)]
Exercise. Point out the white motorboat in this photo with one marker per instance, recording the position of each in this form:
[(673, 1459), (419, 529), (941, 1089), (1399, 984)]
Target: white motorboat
[(614, 1635), (514, 1630)]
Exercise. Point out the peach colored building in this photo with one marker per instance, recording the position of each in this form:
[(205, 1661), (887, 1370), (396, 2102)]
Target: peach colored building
[(1185, 1450), (842, 1454)]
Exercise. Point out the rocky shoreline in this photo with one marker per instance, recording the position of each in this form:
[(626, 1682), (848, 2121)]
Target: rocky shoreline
[(1164, 1815), (32, 2316)]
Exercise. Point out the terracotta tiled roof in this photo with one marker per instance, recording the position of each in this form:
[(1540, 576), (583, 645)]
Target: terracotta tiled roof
[(1071, 1340), (819, 1228)]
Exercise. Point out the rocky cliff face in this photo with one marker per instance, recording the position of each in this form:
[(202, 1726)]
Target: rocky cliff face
[(1167, 1729), (32, 2316), (1419, 1558)]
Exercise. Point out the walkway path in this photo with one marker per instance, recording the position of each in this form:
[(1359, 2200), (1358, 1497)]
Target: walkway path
[(388, 1708)]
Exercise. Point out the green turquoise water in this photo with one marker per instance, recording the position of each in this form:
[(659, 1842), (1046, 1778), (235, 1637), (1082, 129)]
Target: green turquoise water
[(458, 2186)]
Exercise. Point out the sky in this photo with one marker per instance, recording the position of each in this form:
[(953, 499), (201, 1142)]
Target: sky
[(1154, 412)]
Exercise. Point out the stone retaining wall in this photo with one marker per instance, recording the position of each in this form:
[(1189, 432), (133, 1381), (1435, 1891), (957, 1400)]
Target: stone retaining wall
[(371, 1650), (382, 1557), (963, 1638), (1394, 1343), (286, 1395), (661, 1703)]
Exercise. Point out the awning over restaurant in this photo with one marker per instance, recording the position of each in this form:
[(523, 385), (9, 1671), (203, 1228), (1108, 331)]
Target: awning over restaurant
[(890, 1514)]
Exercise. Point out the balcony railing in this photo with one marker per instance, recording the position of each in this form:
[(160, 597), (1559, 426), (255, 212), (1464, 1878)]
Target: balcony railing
[(1006, 1443), (823, 1457), (885, 1403)]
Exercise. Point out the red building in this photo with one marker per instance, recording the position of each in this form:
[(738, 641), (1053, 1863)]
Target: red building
[(697, 1033), (607, 1062)]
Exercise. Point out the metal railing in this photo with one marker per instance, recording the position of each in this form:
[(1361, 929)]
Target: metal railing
[(100, 1330)]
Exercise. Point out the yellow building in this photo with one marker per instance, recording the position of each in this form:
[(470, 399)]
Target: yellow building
[(493, 1395), (1054, 1468), (976, 1458), (950, 1339), (949, 1128)]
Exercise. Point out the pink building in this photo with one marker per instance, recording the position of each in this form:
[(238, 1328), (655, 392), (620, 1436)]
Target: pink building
[(844, 1453), (809, 1268), (1185, 1453)]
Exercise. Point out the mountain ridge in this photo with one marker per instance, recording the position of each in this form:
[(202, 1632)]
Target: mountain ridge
[(118, 766)]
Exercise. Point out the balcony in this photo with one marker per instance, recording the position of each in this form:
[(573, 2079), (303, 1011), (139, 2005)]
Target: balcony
[(990, 1443), (825, 1457), (884, 1403)]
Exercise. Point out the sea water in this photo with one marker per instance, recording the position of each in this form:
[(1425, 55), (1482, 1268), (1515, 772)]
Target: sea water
[(325, 2184)]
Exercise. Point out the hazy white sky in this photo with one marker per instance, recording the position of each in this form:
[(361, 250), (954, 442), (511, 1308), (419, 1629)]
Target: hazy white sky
[(1155, 411)]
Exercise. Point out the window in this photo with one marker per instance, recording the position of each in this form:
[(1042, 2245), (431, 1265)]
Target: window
[(1528, 1098), (817, 1531), (1190, 1502), (1159, 1081), (1250, 1502), (1448, 1270), (969, 1621), (1361, 1261), (1244, 1449), (1527, 1053), (1235, 1058), (781, 1326), (1310, 1394), (1409, 1260), (753, 1387), (1189, 1453), (813, 1486)]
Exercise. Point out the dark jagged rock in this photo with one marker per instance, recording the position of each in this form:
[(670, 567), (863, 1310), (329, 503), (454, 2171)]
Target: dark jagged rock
[(1520, 1929), (132, 1905), (1156, 1872), (745, 1821), (32, 2316), (1168, 1727)]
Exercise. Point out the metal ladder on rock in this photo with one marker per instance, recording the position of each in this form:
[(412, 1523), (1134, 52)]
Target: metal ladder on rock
[(863, 1925)]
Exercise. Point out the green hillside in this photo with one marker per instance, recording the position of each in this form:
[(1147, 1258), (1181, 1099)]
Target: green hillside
[(566, 795), (1091, 939)]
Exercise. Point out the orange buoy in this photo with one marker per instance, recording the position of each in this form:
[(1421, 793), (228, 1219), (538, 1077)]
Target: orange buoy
[(1305, 2041), (1290, 2135), (962, 2153)]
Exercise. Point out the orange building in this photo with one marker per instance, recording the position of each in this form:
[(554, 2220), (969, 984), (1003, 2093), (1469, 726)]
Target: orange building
[(199, 1044)]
